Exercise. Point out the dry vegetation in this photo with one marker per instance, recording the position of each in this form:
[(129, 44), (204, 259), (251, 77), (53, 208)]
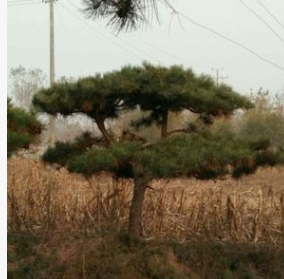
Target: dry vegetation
[(43, 199)]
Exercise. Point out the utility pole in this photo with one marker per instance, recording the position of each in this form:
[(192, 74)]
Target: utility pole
[(218, 77), (51, 40), (51, 136)]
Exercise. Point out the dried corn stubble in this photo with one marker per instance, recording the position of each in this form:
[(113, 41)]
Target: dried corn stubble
[(49, 201)]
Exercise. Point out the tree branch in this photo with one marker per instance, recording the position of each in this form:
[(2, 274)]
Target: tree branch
[(101, 125), (177, 131)]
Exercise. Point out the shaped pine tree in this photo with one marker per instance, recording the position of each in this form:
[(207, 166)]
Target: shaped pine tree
[(180, 152)]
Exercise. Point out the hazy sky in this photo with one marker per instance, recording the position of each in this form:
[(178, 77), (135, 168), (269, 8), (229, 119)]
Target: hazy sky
[(84, 47)]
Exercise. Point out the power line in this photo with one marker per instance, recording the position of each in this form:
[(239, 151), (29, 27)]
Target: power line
[(229, 40), (101, 34), (195, 23), (22, 1), (22, 4), (263, 20), (19, 1), (125, 42), (274, 17), (151, 45), (159, 49)]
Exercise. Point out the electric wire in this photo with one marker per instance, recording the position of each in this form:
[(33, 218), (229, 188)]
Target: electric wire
[(20, 1), (263, 20), (100, 33), (23, 4), (124, 41), (271, 14), (159, 49), (191, 21), (144, 41), (230, 40)]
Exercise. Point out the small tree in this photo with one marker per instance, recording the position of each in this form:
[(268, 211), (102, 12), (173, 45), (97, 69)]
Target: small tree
[(264, 121), (158, 91), (24, 83), (22, 128)]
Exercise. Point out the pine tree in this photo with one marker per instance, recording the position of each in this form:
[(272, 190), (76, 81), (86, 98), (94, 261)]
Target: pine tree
[(158, 91)]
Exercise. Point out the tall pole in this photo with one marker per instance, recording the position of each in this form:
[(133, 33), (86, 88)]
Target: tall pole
[(51, 137), (51, 40), (218, 77)]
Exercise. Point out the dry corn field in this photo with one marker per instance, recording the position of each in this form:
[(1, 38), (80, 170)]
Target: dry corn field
[(44, 199)]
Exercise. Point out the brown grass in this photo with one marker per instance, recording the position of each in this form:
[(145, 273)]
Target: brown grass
[(43, 199)]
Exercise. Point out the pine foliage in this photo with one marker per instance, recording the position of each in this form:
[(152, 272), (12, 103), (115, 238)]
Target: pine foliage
[(92, 95), (160, 90), (157, 91), (204, 156), (22, 127), (123, 14), (154, 89), (61, 152)]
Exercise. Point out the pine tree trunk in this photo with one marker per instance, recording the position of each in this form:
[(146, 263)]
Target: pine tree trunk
[(102, 128), (164, 124), (136, 208), (51, 136)]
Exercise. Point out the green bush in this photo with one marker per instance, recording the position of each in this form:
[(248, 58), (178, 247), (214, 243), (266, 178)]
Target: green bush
[(22, 128)]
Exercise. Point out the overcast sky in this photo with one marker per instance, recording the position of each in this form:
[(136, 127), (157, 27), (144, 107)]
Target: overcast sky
[(84, 47)]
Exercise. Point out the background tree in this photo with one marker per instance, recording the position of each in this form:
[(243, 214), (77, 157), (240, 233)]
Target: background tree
[(265, 120), (22, 128), (24, 83), (193, 151)]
